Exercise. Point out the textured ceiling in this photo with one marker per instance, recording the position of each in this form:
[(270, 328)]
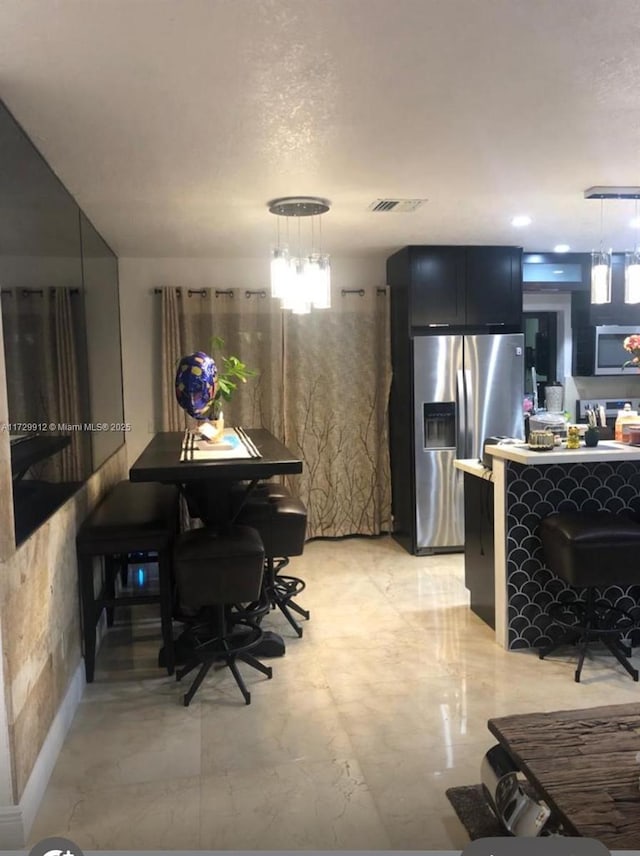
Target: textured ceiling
[(173, 122)]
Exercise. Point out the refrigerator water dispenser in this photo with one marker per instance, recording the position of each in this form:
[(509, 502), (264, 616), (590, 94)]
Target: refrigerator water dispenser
[(439, 424)]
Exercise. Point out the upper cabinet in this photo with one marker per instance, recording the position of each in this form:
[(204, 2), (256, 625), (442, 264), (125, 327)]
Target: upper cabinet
[(556, 272), (436, 278), (470, 288), (494, 286)]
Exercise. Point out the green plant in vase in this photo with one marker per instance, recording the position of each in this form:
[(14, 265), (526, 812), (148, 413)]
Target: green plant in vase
[(231, 372), (591, 436)]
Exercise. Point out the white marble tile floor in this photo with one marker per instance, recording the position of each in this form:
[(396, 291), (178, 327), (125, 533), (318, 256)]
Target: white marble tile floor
[(369, 718)]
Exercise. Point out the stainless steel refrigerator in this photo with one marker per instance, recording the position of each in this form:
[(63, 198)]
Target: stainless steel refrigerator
[(465, 388)]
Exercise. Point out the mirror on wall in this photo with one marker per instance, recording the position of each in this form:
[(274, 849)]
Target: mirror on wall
[(61, 331), (103, 348)]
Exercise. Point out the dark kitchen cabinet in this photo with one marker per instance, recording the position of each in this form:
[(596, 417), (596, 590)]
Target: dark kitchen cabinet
[(545, 273), (470, 288), (479, 548), (437, 286), (494, 286)]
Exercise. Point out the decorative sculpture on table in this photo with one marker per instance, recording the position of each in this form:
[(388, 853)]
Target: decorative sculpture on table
[(196, 384), (201, 388)]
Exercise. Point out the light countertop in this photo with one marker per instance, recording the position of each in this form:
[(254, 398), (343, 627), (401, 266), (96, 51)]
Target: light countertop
[(473, 467), (606, 450)]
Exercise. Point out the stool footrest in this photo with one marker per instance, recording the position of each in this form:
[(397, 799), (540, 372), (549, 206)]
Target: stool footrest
[(221, 647), (598, 619), (288, 586)]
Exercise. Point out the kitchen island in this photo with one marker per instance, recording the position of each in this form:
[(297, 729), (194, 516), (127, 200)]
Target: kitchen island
[(528, 486)]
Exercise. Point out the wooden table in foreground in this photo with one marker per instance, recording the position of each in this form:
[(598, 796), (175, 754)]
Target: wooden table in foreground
[(583, 764)]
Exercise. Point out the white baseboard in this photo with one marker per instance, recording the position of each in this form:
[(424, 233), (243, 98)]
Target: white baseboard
[(11, 828), (16, 821)]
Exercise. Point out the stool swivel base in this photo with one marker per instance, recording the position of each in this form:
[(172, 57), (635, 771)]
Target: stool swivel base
[(281, 591), (213, 644), (597, 620)]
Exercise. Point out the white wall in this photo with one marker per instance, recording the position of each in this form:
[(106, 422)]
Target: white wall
[(140, 317)]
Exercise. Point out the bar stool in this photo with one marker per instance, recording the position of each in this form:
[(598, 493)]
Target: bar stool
[(213, 572), (132, 518), (281, 521), (592, 551)]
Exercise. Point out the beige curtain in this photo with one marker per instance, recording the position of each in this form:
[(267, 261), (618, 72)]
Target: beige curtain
[(67, 398), (251, 330), (323, 389), (41, 330), (336, 413), (172, 417)]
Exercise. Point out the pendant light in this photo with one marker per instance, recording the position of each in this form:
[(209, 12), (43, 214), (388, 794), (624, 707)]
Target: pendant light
[(601, 261), (302, 278), (601, 270), (632, 270)]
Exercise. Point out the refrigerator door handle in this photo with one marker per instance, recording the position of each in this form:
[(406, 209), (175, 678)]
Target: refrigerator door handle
[(469, 438), (461, 411)]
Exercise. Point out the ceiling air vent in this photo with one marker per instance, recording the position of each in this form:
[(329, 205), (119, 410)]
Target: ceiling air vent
[(399, 206)]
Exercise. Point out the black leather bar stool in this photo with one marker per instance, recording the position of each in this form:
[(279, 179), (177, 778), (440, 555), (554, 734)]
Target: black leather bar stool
[(132, 518), (243, 492), (281, 521), (592, 551), (213, 573)]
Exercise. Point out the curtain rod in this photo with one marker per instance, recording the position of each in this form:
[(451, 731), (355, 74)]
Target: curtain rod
[(260, 292), (228, 292), (360, 291), (38, 291)]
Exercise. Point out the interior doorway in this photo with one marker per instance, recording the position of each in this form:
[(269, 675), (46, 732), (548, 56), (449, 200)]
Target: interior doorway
[(540, 351)]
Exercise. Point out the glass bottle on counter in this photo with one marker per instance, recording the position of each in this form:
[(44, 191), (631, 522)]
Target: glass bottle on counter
[(625, 415)]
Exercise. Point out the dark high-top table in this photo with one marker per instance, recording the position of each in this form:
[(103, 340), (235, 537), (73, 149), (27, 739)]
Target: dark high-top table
[(160, 461), (206, 485)]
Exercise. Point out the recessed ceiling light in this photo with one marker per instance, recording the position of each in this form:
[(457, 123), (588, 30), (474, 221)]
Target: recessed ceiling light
[(561, 248), (521, 220), (558, 272), (635, 223)]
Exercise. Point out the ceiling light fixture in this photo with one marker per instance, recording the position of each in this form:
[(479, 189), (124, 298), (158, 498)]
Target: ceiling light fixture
[(521, 220), (632, 269), (302, 278), (601, 268), (632, 259), (601, 192), (561, 248)]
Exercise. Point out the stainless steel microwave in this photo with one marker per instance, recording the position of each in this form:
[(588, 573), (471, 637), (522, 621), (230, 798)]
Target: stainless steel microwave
[(609, 353)]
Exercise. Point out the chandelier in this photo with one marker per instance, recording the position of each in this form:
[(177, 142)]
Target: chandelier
[(601, 260), (300, 271)]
